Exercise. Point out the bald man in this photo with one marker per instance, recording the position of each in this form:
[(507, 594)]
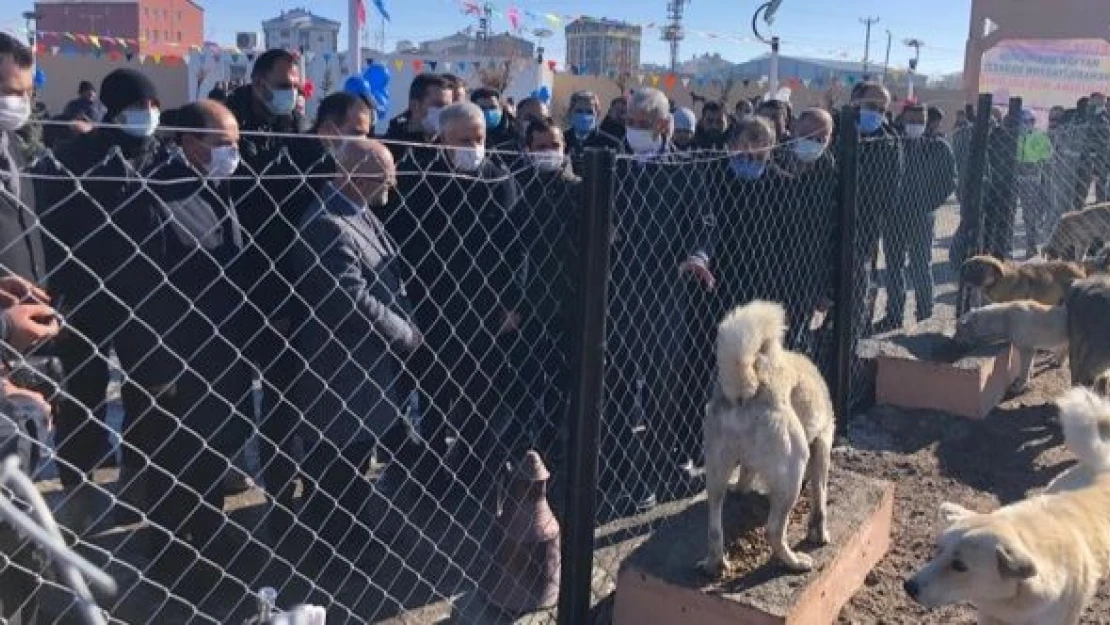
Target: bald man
[(182, 346), (359, 331)]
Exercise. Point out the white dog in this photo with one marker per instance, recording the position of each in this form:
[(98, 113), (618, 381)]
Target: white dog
[(1038, 561), (772, 416)]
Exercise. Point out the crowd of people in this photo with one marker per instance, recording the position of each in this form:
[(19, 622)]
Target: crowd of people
[(410, 299)]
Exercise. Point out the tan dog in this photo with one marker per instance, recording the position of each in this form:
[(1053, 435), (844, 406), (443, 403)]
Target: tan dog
[(1078, 233), (1038, 561), (1027, 325), (1046, 282), (772, 416)]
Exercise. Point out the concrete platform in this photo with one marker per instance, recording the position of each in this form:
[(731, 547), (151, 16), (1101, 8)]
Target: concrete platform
[(923, 368), (659, 583)]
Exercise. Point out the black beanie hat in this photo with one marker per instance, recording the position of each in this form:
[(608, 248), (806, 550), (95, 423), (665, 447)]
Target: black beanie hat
[(123, 88)]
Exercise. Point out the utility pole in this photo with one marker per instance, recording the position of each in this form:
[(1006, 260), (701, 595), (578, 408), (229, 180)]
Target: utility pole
[(673, 33), (916, 44), (886, 63), (868, 21)]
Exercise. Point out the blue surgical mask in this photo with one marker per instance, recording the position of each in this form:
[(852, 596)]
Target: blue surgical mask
[(870, 121), (808, 150), (746, 169), (282, 101), (584, 122), (140, 122), (493, 118)]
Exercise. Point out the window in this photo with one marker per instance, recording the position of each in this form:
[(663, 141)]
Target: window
[(179, 36), (179, 16), (156, 36), (285, 33), (320, 38), (146, 12), (165, 35)]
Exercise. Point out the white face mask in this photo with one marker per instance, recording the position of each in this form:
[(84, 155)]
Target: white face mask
[(431, 121), (643, 141), (140, 122), (468, 159), (547, 160), (282, 101), (915, 131), (15, 110), (224, 160)]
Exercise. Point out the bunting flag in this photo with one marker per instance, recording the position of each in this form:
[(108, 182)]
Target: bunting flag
[(655, 80), (54, 50), (398, 64), (514, 17), (670, 81), (462, 66), (685, 81), (432, 64), (640, 78), (157, 58), (360, 12), (142, 58), (380, 6), (417, 65)]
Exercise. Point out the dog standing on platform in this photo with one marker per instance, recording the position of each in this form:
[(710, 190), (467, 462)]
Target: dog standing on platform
[(771, 415), (1026, 324)]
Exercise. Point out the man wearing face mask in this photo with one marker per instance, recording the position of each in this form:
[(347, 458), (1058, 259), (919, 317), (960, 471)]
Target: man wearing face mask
[(713, 127), (549, 225), (81, 253), (454, 225), (584, 131), (662, 239), (908, 233), (195, 407), (881, 169), (358, 338), (500, 129), (428, 95)]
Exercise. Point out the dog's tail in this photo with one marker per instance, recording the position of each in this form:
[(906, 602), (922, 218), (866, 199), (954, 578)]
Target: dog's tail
[(1085, 418), (759, 322)]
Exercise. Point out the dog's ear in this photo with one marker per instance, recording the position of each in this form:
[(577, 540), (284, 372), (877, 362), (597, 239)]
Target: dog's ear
[(953, 513), (1014, 563), (982, 271)]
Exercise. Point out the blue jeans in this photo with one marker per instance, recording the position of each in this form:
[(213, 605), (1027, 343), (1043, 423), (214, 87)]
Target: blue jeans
[(911, 239)]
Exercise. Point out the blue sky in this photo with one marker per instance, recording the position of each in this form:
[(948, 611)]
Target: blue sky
[(820, 28)]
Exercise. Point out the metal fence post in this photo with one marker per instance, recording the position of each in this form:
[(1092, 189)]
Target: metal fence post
[(844, 308), (588, 365), (973, 187)]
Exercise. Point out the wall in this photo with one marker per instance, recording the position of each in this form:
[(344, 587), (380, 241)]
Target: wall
[(64, 72), (173, 17), (1029, 19), (948, 100), (112, 19)]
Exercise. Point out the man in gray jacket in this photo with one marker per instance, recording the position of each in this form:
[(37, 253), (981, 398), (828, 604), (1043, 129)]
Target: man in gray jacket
[(355, 338)]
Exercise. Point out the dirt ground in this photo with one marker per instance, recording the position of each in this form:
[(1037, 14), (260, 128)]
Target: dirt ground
[(932, 458)]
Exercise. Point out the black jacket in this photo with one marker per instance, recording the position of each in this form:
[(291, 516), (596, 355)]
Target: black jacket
[(881, 172), (457, 233), (21, 251), (78, 193), (399, 139), (930, 175), (279, 177), (186, 288)]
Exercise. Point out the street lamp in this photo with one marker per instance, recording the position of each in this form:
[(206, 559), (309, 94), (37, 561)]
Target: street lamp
[(768, 10), (916, 44), (31, 18)]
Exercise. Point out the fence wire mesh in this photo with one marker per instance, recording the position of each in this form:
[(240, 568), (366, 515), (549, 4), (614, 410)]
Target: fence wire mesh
[(261, 385)]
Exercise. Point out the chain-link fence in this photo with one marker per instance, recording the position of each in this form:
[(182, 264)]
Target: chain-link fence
[(261, 383)]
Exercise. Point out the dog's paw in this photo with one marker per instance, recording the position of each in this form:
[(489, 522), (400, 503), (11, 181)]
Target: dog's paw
[(797, 562), (818, 535), (714, 569)]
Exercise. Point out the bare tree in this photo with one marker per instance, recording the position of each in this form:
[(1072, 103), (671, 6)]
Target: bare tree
[(500, 75)]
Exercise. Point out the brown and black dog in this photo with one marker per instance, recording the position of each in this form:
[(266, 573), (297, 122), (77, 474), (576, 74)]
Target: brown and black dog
[(1046, 282)]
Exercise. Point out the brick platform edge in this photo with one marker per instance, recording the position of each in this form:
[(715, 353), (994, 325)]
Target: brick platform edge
[(970, 388), (658, 584)]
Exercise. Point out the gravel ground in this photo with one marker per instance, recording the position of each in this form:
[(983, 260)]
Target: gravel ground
[(934, 458)]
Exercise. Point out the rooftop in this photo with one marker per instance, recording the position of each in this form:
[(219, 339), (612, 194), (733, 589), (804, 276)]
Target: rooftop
[(300, 17)]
